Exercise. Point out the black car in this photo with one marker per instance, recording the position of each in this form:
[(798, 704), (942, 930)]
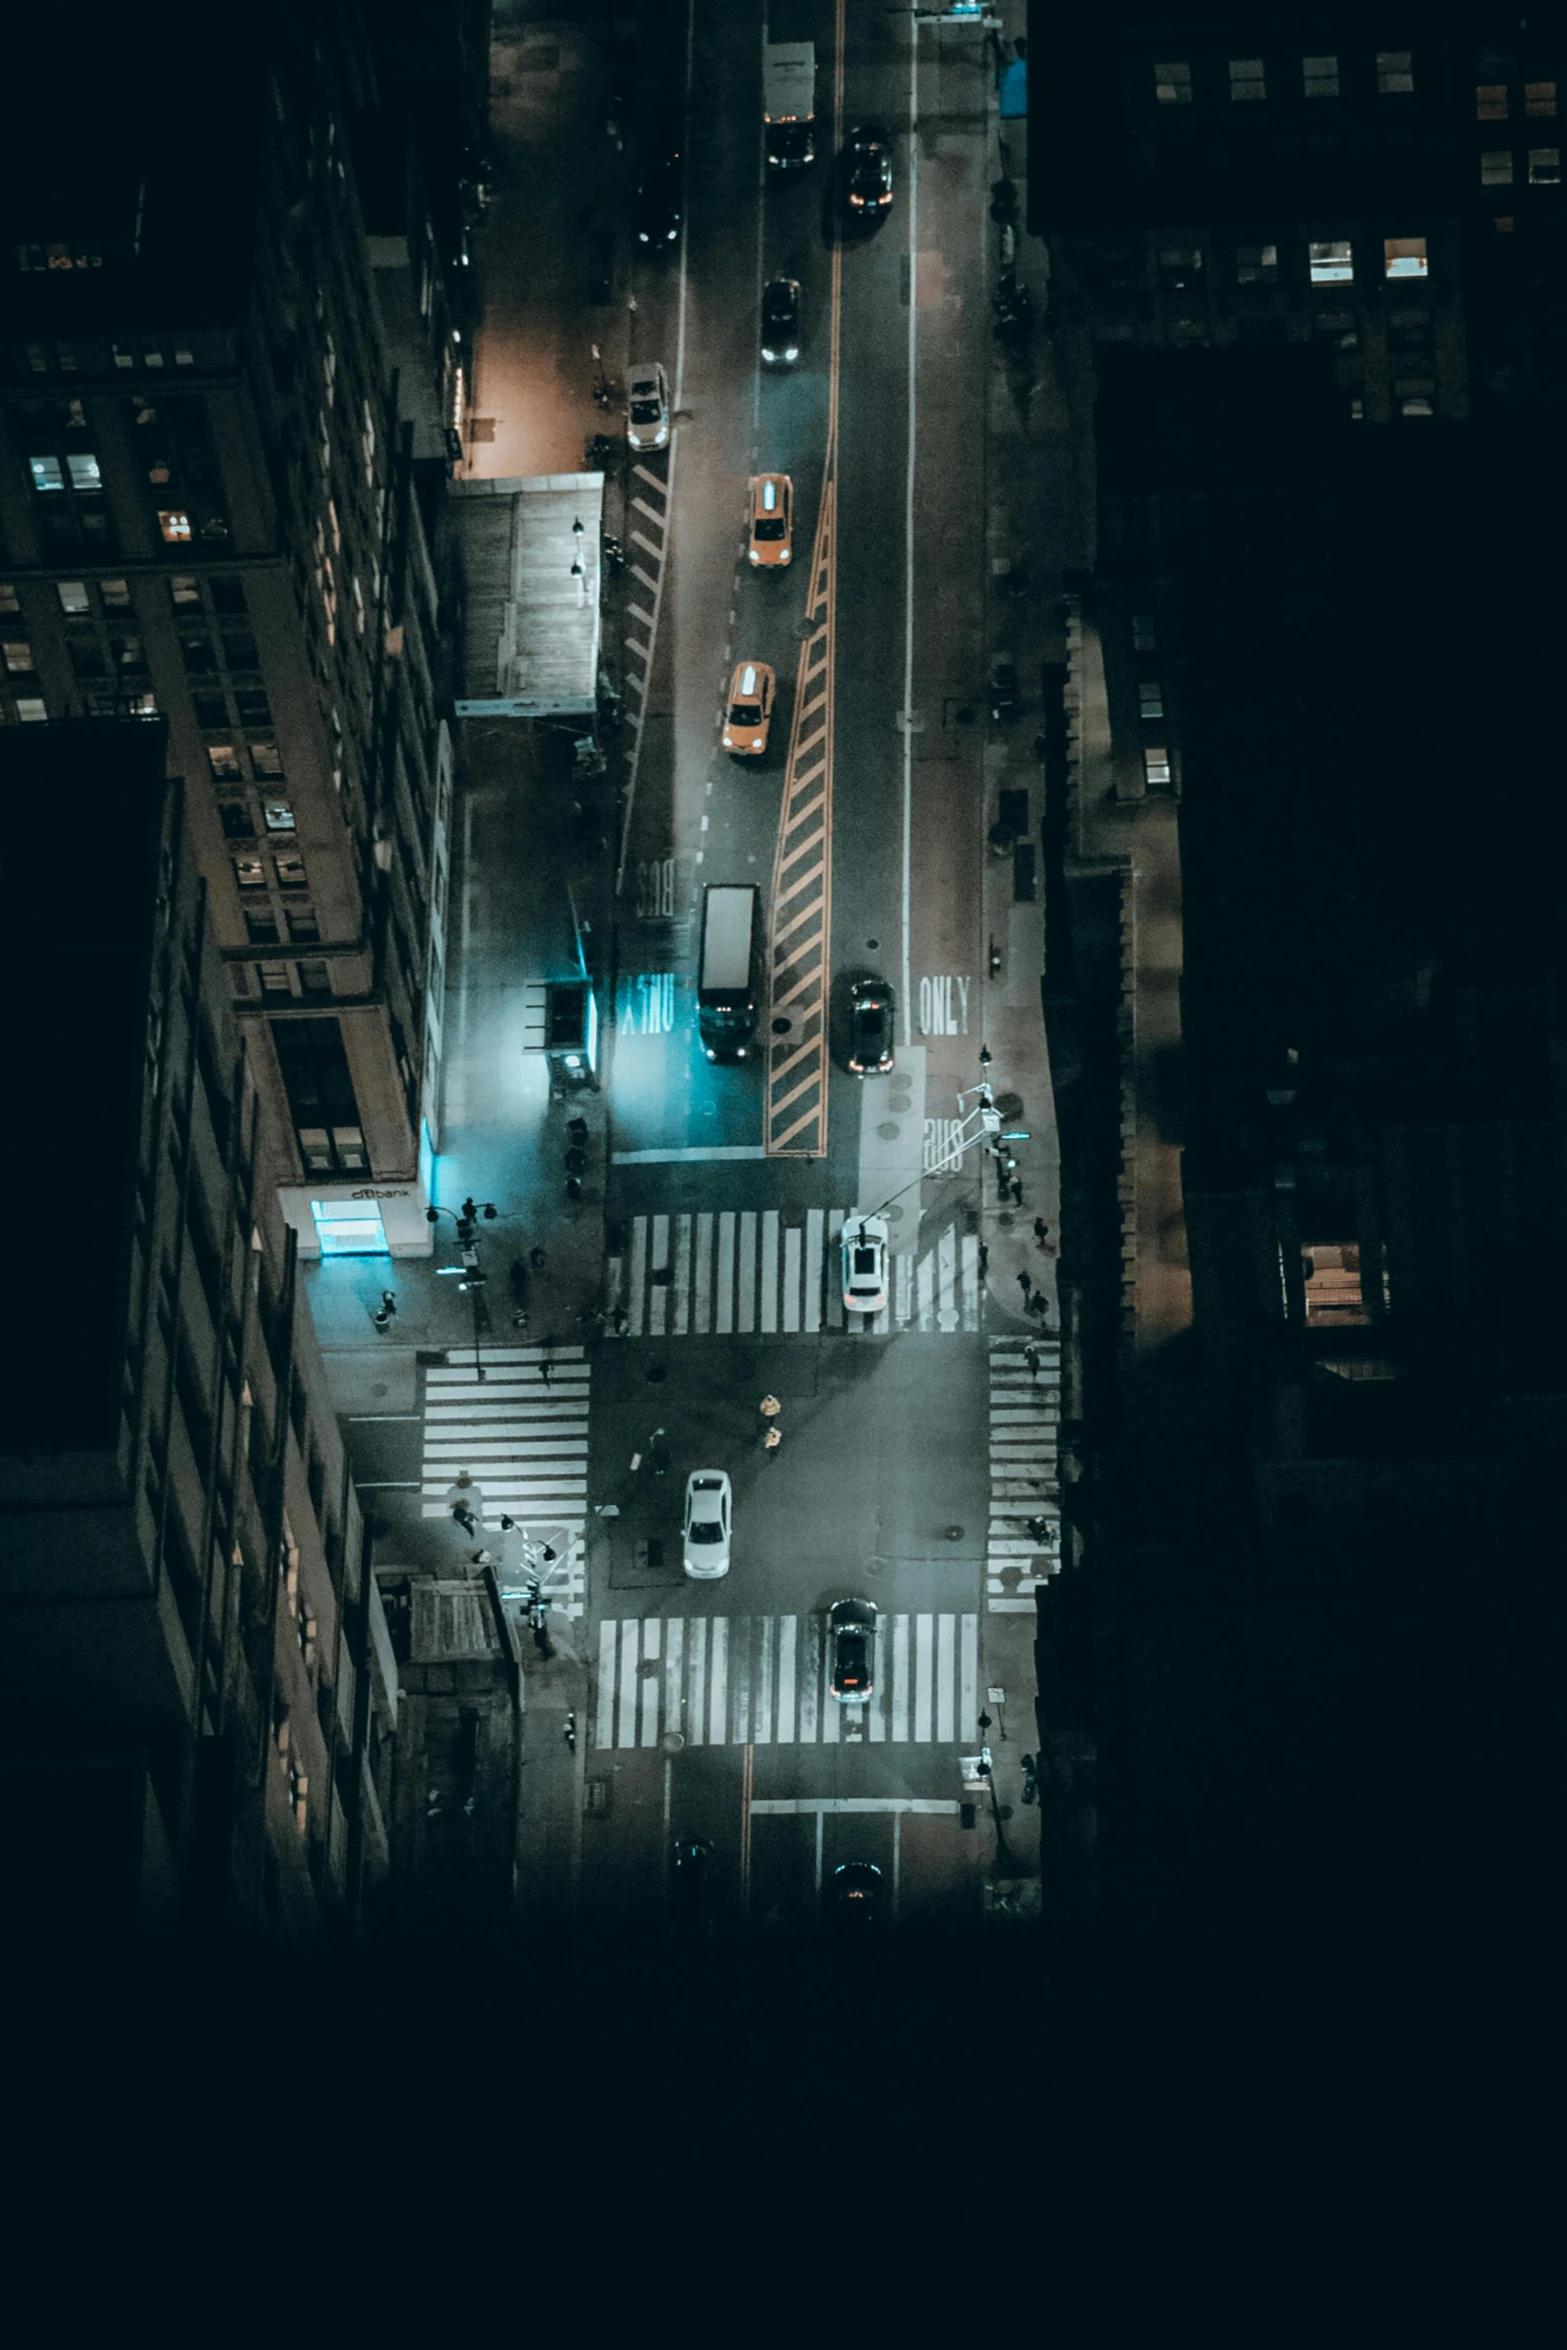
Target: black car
[(660, 202), (854, 1893), (690, 1884), (871, 1009), (867, 173), (851, 1631), (781, 322)]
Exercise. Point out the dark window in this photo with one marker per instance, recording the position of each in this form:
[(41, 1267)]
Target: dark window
[(320, 1093)]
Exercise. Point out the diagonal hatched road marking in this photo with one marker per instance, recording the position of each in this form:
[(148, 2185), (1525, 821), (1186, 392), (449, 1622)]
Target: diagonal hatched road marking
[(800, 946)]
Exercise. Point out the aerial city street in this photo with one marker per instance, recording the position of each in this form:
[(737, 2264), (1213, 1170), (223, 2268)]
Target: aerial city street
[(782, 808)]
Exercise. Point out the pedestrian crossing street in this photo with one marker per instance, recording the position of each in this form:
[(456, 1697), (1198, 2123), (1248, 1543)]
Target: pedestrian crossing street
[(743, 1271), (762, 1680), (521, 1433), (1025, 1474)]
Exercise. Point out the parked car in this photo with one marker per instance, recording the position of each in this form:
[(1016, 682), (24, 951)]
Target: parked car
[(871, 1009), (865, 1243), (781, 322), (851, 1628), (772, 518), (647, 407), (750, 709), (705, 1541), (854, 1893)]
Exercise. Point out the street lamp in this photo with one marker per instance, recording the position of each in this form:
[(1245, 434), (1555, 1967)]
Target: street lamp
[(469, 1275)]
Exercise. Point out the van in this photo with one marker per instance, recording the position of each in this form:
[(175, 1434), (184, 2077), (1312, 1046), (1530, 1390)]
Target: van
[(726, 991)]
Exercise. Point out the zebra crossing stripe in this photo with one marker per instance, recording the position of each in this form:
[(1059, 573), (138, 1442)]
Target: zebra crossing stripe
[(748, 1272), (762, 1680), (524, 1440), (1025, 1422)]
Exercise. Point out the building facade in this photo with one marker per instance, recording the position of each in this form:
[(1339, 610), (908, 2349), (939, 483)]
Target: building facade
[(199, 1690), (215, 506)]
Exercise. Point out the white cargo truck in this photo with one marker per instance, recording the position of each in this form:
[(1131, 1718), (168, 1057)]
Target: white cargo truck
[(789, 103)]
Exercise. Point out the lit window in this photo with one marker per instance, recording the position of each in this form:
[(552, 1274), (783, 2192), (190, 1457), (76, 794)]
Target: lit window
[(1320, 75), (1496, 168), (250, 873), (73, 595), (1545, 167), (1403, 257), (274, 981), (1332, 1284), (84, 471), (174, 526), (266, 758), (1332, 263), (1394, 77), (1417, 404), (47, 472), (1144, 634), (65, 353), (1156, 766), (223, 760), (279, 815), (116, 593), (182, 357), (1504, 224), (290, 869), (18, 656), (1172, 84), (1256, 264), (1491, 101), (1539, 97), (30, 710), (1247, 79), (9, 601), (37, 358), (184, 589), (1150, 698), (123, 357)]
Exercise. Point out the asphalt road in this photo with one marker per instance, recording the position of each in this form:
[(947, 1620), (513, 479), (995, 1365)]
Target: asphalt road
[(707, 1717)]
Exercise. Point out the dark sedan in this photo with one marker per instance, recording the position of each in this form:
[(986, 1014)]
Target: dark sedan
[(660, 203), (854, 1893), (851, 1628), (781, 322), (871, 1011), (867, 174)]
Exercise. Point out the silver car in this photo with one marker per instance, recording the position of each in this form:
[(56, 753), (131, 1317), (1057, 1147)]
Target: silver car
[(705, 1543), (647, 407), (865, 1264)]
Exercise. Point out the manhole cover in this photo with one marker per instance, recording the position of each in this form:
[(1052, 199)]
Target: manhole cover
[(873, 943), (381, 1390), (887, 1131), (672, 1742), (1010, 1105), (782, 1027), (954, 1533)]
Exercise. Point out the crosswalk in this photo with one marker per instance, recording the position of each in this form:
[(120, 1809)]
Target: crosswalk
[(1025, 1475), (520, 1432), (747, 1270), (762, 1680)]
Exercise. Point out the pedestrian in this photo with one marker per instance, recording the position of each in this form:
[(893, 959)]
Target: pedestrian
[(569, 1732), (546, 1367), (383, 1318), (1039, 1304), (536, 1259), (1016, 1189), (577, 1128), (573, 1187), (508, 1525), (984, 1259), (465, 1517), (1038, 1529), (482, 1558), (770, 1407), (1041, 1232), (1031, 1357), (1030, 1779), (1025, 1282), (621, 1318), (772, 1440)]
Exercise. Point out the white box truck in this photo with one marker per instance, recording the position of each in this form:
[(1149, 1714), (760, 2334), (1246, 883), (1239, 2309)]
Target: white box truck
[(789, 103), (726, 973)]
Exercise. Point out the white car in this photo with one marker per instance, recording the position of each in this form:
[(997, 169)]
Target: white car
[(705, 1543), (865, 1264), (647, 407)]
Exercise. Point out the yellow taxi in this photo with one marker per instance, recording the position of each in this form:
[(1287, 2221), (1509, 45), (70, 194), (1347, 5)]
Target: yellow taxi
[(750, 708), (772, 518)]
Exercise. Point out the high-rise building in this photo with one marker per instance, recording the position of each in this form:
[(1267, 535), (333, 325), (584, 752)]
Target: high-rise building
[(217, 469), (197, 1687)]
